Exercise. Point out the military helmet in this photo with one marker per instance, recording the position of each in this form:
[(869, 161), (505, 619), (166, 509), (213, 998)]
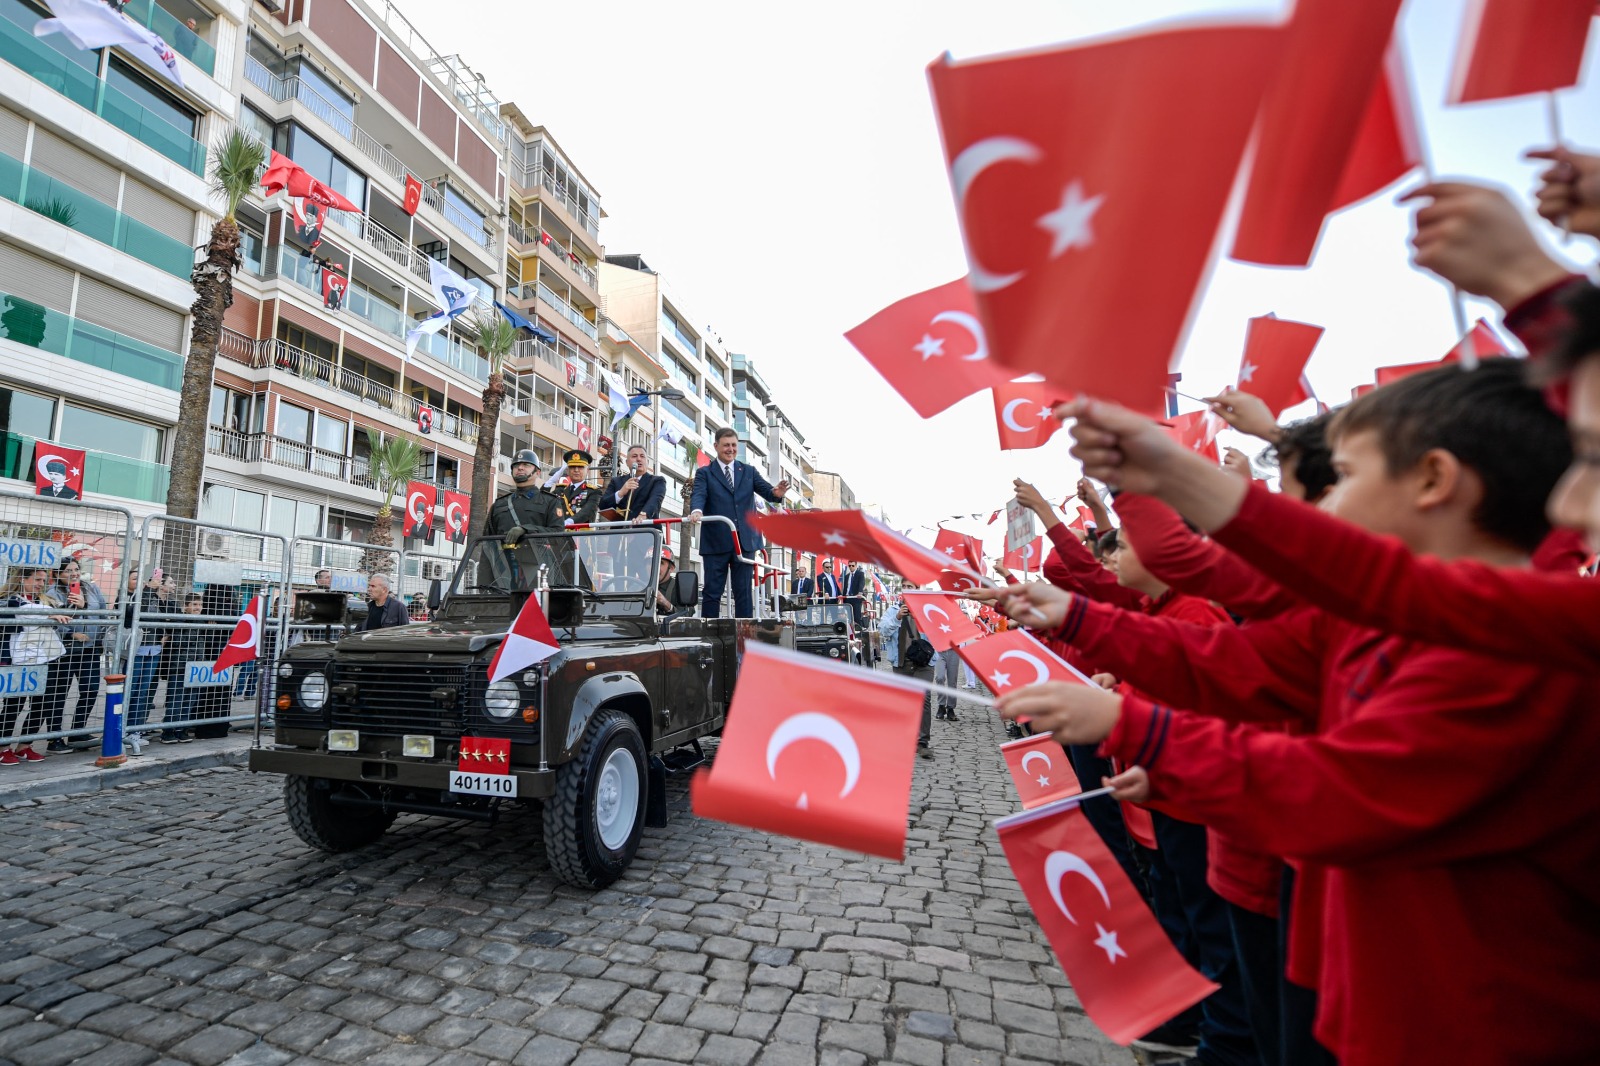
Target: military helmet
[(526, 455)]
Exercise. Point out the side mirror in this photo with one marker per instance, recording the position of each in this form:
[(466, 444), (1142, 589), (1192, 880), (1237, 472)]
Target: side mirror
[(688, 588), (435, 594)]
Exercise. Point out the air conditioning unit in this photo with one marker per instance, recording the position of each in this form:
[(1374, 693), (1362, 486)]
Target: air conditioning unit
[(435, 570), (502, 463), (213, 545)]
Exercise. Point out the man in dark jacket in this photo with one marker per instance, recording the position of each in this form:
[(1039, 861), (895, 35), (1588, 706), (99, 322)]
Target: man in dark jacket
[(385, 609), (729, 488), (923, 671)]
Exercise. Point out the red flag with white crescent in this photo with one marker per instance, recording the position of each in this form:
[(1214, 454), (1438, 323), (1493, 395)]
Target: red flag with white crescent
[(1040, 770), (1029, 557), (940, 619), (858, 536), (1013, 659), (1276, 351), (1024, 413), (457, 516), (816, 751), (421, 498), (58, 471), (1120, 962), (244, 644), (1197, 431), (960, 546), (1050, 155)]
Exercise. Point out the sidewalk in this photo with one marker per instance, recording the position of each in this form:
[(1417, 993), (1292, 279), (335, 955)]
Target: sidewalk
[(75, 774)]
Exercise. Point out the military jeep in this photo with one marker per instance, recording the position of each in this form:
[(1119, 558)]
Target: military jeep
[(829, 630), (404, 720)]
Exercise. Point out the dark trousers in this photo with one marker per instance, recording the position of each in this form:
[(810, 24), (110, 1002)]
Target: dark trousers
[(858, 608), (22, 714), (82, 661), (1103, 812), (1255, 944), (1297, 1004), (717, 570), (1225, 1036)]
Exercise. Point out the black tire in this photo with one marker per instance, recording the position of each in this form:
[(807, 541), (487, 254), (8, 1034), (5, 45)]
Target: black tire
[(591, 804), (312, 815)]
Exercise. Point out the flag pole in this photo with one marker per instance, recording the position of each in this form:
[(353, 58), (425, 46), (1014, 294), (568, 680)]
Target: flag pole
[(1469, 358), (1553, 114)]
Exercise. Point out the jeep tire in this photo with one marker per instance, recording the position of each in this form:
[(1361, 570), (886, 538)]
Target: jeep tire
[(316, 820), (593, 823)]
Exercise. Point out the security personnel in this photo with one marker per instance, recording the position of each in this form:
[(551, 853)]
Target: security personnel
[(524, 509), (575, 500)]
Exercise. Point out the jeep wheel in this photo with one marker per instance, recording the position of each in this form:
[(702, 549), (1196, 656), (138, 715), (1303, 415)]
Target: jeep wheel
[(593, 822), (316, 820)]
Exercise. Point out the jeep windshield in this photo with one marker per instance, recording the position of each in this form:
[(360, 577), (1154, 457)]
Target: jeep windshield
[(820, 616), (615, 569)]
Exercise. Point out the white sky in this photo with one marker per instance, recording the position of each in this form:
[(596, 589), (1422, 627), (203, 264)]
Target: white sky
[(781, 168)]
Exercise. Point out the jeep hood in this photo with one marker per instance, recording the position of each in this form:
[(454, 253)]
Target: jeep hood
[(459, 638)]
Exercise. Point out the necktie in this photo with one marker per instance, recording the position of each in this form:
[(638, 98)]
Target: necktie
[(728, 470)]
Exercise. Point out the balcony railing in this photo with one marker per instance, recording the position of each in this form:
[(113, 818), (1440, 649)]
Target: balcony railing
[(565, 310), (281, 355), (548, 355), (563, 254), (567, 200), (293, 88), (39, 60), (76, 209), (114, 475), (180, 38), (466, 86), (682, 339), (25, 322)]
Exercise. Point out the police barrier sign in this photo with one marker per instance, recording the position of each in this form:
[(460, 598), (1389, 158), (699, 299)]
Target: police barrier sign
[(23, 680), (197, 674), (15, 552)]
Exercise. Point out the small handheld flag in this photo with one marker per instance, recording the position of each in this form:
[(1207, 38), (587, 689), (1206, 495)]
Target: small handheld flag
[(530, 641)]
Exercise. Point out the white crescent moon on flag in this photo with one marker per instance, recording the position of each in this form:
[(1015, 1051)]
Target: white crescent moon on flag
[(1005, 415), (249, 619), (928, 608), (1032, 660), (450, 514), (964, 170), (1036, 755), (44, 461), (813, 725), (956, 581), (411, 506), (1061, 863), (971, 324)]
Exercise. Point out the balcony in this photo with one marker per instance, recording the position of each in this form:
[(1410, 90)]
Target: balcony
[(180, 38), (293, 88), (561, 307), (557, 362), (114, 475), (75, 209), (533, 181), (39, 59), (280, 355), (563, 254), (682, 339), (24, 322)]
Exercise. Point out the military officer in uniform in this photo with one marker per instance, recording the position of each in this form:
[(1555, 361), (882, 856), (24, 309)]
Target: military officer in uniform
[(524, 509), (575, 499)]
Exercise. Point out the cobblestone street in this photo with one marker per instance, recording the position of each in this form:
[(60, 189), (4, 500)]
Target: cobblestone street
[(181, 921)]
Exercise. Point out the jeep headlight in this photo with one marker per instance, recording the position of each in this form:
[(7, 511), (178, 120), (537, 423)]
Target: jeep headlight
[(502, 698), (314, 690)]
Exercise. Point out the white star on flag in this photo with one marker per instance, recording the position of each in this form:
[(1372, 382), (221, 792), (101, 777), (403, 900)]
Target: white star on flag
[(930, 346), (835, 538), (1107, 942), (1044, 781), (947, 551), (1246, 372), (1000, 680), (1069, 223), (1045, 412), (944, 629)]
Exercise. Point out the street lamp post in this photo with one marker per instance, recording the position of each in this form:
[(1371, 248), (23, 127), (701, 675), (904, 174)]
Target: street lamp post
[(665, 394)]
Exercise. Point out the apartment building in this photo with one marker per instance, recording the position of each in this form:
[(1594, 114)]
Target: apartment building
[(833, 493), (750, 399), (637, 371)]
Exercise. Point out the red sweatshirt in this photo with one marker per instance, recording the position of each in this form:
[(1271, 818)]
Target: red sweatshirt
[(1073, 567), (1441, 820), (1549, 618)]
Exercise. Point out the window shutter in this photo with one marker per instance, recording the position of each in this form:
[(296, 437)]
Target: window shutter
[(33, 278), (143, 203), (13, 133), (73, 165), (126, 313)]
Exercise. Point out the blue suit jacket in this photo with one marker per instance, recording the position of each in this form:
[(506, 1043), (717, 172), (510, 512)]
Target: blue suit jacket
[(651, 491), (713, 496)]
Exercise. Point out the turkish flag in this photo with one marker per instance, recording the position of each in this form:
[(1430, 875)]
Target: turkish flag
[(1040, 770), (1516, 47), (244, 643), (1024, 413), (58, 471), (1003, 660), (528, 642), (992, 518), (1085, 520), (1052, 158), (457, 516), (930, 348), (334, 283), (817, 751), (421, 498), (941, 619), (1029, 557), (284, 173), (1388, 145), (1311, 119), (1479, 342), (413, 198), (484, 755), (961, 546), (1121, 965), (858, 536), (702, 459), (1276, 351), (1196, 431)]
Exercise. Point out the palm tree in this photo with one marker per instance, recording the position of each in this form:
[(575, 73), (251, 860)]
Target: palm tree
[(496, 336), (393, 462), (236, 163)]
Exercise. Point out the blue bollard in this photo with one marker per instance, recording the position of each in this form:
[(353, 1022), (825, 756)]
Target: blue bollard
[(111, 753)]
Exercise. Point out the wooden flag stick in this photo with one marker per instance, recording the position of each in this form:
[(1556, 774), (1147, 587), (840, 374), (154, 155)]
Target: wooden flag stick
[(1553, 113)]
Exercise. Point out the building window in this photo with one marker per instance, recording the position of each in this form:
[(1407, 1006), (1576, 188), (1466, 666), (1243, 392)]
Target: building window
[(225, 505), (123, 76), (322, 163), (294, 423), (333, 434), (27, 414), (293, 518), (343, 525), (84, 428)]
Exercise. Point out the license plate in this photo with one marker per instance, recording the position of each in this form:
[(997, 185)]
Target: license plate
[(501, 785)]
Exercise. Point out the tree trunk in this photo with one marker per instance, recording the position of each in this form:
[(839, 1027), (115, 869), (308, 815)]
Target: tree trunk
[(483, 456), (213, 286)]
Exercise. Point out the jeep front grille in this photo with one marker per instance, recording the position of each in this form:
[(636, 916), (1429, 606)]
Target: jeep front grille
[(392, 698)]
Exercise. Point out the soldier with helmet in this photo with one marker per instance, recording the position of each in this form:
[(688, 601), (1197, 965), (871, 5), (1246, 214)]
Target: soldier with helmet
[(525, 509)]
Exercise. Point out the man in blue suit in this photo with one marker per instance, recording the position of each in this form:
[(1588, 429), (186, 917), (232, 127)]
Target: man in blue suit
[(729, 488)]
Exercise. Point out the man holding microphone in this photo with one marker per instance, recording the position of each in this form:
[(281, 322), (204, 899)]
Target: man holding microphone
[(636, 494)]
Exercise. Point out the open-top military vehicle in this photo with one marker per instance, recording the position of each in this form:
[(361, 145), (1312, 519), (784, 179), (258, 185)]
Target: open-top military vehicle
[(828, 629), (404, 720)]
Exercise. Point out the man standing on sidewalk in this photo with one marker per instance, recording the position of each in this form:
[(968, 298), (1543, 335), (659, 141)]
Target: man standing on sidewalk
[(915, 657)]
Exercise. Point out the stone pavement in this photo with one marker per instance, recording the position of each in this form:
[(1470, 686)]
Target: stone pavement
[(180, 920)]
